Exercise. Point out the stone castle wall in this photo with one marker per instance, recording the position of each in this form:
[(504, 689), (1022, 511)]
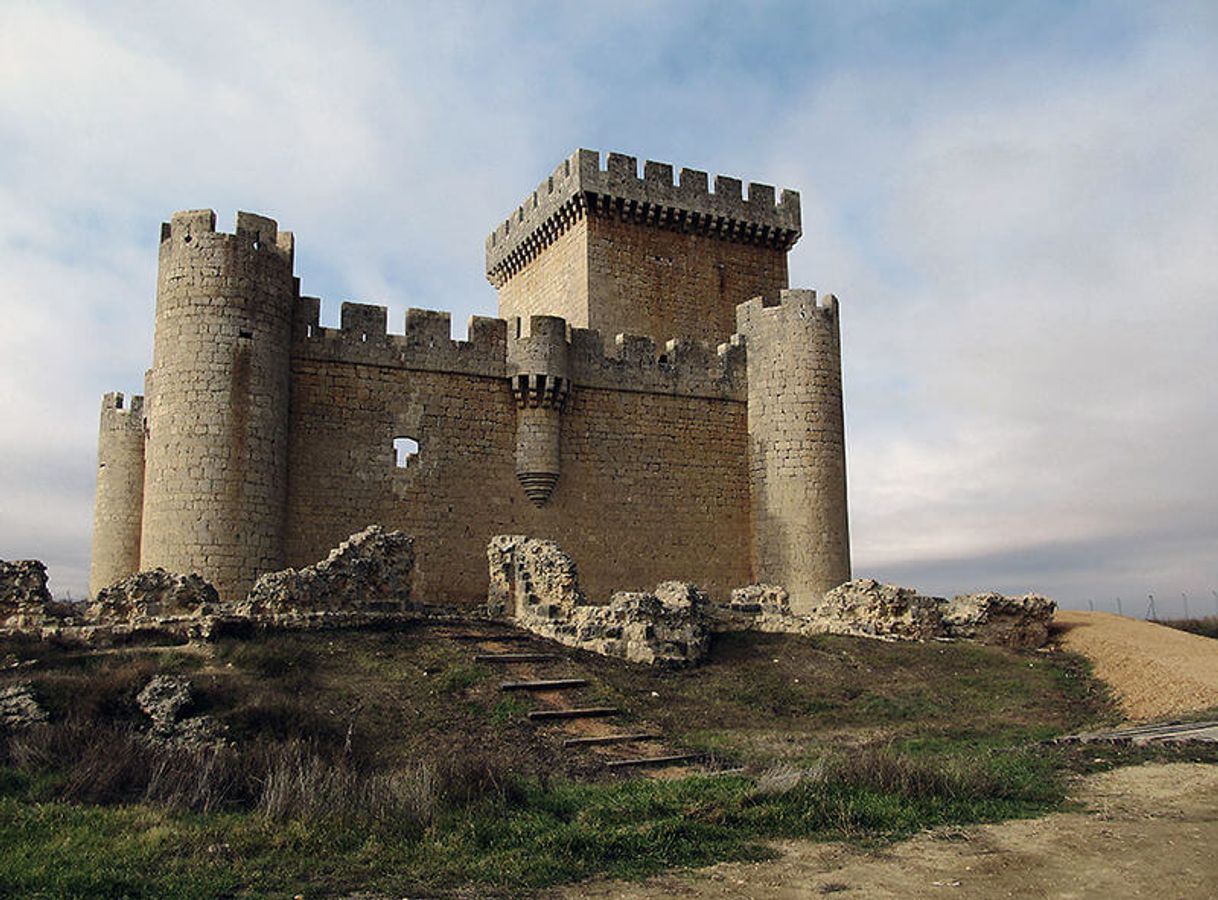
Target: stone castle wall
[(118, 505), (552, 283), (654, 480), (664, 283)]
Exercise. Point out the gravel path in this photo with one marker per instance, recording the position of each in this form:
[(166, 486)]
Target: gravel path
[(1155, 671)]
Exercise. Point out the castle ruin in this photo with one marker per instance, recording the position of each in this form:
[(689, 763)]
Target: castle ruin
[(652, 395)]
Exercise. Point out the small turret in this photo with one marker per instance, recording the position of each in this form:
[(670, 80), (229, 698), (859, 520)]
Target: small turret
[(216, 476), (537, 363), (797, 448), (118, 507)]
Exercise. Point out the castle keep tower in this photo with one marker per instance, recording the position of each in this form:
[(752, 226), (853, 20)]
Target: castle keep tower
[(797, 452), (215, 485), (609, 250), (118, 506)]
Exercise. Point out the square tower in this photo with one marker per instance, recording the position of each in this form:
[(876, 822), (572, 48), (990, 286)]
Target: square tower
[(606, 249)]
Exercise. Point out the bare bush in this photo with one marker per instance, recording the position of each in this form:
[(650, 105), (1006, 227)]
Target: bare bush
[(300, 784)]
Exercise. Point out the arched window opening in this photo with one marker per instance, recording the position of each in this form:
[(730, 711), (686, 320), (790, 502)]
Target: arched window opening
[(405, 451)]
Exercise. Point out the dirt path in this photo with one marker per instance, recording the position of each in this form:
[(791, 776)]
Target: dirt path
[(1154, 670), (1144, 831)]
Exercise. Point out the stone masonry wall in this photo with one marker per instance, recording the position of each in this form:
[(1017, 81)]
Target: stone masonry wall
[(666, 284), (119, 501), (654, 484), (218, 411), (554, 283), (797, 454)]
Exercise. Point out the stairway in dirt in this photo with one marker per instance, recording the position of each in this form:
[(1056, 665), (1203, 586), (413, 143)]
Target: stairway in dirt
[(560, 689)]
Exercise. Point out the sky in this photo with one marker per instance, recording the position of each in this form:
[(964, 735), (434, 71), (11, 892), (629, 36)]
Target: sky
[(1016, 203)]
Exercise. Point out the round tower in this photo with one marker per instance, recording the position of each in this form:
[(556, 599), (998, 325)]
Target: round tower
[(797, 447), (119, 502), (216, 454), (540, 384)]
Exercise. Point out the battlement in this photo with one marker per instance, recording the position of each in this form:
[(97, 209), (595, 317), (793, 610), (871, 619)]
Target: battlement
[(197, 227), (683, 367), (579, 186), (425, 343), (782, 306), (116, 412)]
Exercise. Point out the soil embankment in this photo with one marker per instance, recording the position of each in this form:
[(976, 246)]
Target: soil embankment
[(1153, 670)]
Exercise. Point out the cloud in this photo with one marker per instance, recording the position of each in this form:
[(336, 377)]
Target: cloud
[(1017, 205)]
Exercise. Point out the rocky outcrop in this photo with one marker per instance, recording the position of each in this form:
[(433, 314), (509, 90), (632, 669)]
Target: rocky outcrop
[(19, 708), (369, 573), (25, 601), (164, 700), (867, 608), (155, 597), (536, 583)]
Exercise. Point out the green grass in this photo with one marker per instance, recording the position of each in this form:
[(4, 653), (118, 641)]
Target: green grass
[(527, 837)]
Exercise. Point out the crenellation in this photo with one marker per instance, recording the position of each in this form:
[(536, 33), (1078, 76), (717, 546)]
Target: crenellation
[(188, 223), (425, 344), (580, 185), (428, 328), (365, 320), (686, 367)]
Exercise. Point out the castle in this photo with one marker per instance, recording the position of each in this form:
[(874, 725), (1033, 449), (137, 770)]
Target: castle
[(652, 395)]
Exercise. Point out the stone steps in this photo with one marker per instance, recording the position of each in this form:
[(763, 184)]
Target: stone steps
[(586, 712), (600, 740), (550, 684), (596, 743), (671, 759), (517, 657)]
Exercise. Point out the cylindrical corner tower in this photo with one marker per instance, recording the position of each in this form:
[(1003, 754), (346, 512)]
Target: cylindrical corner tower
[(118, 506), (216, 475), (797, 448), (540, 384)]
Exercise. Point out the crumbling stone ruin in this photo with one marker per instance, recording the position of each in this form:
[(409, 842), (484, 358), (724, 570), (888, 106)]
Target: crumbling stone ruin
[(155, 597), (365, 579), (867, 608), (651, 392), (536, 583), (25, 601), (370, 572)]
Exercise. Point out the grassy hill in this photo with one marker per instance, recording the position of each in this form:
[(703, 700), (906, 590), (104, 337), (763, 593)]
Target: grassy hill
[(390, 761)]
